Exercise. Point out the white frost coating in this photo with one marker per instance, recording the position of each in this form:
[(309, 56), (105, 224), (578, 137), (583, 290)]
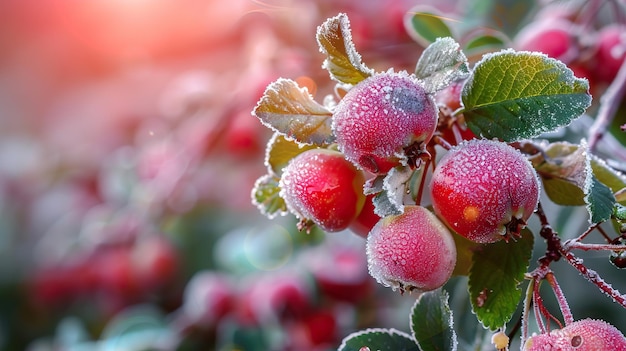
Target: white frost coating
[(260, 206), (441, 63), (394, 184), (341, 23), (389, 331), (285, 107), (588, 185)]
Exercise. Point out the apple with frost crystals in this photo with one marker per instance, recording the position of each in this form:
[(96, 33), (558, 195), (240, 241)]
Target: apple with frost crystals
[(583, 335), (411, 251), (322, 186), (382, 116), (484, 190)]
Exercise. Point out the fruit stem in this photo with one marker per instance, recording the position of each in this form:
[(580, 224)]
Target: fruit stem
[(442, 142), (526, 309), (568, 318)]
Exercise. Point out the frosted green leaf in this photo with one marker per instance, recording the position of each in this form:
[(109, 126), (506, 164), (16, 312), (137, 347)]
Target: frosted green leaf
[(265, 196), (519, 95), (342, 61), (441, 63), (610, 177), (290, 110), (280, 151), (378, 339), (600, 201), (494, 279), (432, 322), (425, 24)]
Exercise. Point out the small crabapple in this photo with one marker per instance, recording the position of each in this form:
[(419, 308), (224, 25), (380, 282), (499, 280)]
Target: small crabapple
[(411, 251), (552, 37), (583, 335), (484, 190), (380, 117), (611, 51), (322, 186)]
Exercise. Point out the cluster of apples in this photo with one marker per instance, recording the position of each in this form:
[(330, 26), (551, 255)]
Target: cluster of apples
[(484, 190)]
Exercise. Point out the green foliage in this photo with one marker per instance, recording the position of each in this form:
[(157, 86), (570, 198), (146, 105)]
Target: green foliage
[(380, 340), (494, 279), (518, 95), (432, 322), (426, 25)]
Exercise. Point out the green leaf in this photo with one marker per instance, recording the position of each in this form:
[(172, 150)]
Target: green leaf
[(608, 176), (441, 63), (519, 95), (425, 24), (432, 322), (378, 339), (563, 192), (600, 201), (485, 40), (266, 196), (291, 111), (280, 151), (342, 61), (494, 279)]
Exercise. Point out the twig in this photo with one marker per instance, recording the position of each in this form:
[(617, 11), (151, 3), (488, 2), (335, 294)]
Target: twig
[(609, 102), (568, 318), (594, 278)]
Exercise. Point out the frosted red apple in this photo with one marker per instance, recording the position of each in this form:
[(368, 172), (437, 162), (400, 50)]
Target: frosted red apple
[(411, 251), (582, 335), (484, 190), (322, 186), (380, 117)]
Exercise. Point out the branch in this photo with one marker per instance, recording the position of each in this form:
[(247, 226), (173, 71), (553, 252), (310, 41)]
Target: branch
[(609, 102), (594, 278)]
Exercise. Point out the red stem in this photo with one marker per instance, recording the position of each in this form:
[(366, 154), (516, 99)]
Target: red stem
[(560, 298)]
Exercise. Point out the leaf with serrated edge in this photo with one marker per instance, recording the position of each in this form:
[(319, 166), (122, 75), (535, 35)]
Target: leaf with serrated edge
[(342, 61), (497, 270), (441, 63), (379, 339), (518, 95), (290, 110), (608, 176), (598, 197), (432, 322), (280, 151), (265, 196)]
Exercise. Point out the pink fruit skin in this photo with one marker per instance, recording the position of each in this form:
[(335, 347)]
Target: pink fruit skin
[(551, 37), (583, 335), (382, 115), (479, 186), (321, 185), (611, 51), (411, 251)]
